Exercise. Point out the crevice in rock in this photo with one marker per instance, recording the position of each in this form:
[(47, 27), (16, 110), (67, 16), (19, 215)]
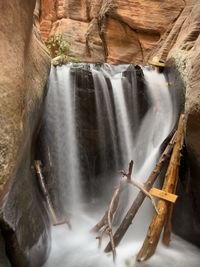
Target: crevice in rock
[(107, 7), (13, 251)]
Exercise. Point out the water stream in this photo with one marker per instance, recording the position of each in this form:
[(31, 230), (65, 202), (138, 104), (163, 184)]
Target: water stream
[(124, 133)]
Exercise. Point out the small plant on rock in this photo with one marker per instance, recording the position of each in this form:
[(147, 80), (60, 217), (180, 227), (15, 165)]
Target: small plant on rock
[(57, 46), (59, 50)]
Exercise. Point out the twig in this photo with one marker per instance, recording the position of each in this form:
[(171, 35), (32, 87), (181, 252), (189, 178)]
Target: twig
[(142, 188)]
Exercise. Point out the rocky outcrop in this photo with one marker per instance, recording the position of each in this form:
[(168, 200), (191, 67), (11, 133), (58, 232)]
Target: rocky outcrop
[(114, 31), (180, 48), (24, 69)]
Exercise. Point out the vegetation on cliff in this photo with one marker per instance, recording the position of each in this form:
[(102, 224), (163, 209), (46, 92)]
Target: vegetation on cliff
[(59, 50)]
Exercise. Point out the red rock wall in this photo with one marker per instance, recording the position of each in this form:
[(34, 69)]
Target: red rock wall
[(128, 33)]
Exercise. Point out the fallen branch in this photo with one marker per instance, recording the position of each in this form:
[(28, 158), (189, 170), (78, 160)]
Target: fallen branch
[(144, 191), (115, 197), (137, 184), (112, 208), (155, 228), (37, 165), (141, 196), (105, 224)]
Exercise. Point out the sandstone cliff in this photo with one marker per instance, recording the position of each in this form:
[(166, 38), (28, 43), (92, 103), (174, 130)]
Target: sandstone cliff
[(114, 31), (23, 74)]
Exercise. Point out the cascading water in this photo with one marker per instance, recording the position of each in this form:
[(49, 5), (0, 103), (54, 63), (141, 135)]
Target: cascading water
[(124, 133), (60, 116)]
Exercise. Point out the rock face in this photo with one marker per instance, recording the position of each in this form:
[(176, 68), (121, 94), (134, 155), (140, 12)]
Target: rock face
[(113, 31), (180, 47), (24, 69)]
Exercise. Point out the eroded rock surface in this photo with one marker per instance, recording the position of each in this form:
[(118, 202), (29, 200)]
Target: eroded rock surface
[(24, 69), (180, 47), (113, 31)]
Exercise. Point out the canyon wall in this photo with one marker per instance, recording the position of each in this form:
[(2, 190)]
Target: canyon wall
[(24, 224), (113, 31), (184, 56)]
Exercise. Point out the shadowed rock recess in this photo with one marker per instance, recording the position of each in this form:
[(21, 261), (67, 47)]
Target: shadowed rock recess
[(24, 224)]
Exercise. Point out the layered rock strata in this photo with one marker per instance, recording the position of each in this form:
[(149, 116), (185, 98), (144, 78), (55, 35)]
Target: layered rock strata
[(113, 31)]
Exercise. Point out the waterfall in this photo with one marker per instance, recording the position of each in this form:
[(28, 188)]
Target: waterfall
[(60, 121), (98, 118)]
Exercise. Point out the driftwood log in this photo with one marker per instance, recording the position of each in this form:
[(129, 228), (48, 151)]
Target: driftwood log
[(168, 223), (52, 214), (105, 224), (155, 228), (120, 232)]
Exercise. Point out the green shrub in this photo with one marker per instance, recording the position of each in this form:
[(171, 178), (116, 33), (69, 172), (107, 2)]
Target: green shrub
[(57, 46), (59, 50)]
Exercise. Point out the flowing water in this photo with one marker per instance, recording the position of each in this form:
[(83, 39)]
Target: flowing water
[(127, 132)]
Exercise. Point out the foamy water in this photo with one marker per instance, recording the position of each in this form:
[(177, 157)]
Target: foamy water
[(79, 248)]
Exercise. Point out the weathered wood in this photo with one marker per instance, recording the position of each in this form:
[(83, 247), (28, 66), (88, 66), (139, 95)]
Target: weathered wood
[(129, 173), (137, 184), (100, 224), (65, 221), (163, 195), (52, 214), (144, 191), (103, 220), (105, 224), (55, 221), (115, 196), (168, 223), (111, 210), (120, 232), (155, 228)]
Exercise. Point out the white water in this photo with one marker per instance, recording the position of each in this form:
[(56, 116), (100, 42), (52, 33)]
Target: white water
[(61, 124), (102, 89), (79, 248)]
